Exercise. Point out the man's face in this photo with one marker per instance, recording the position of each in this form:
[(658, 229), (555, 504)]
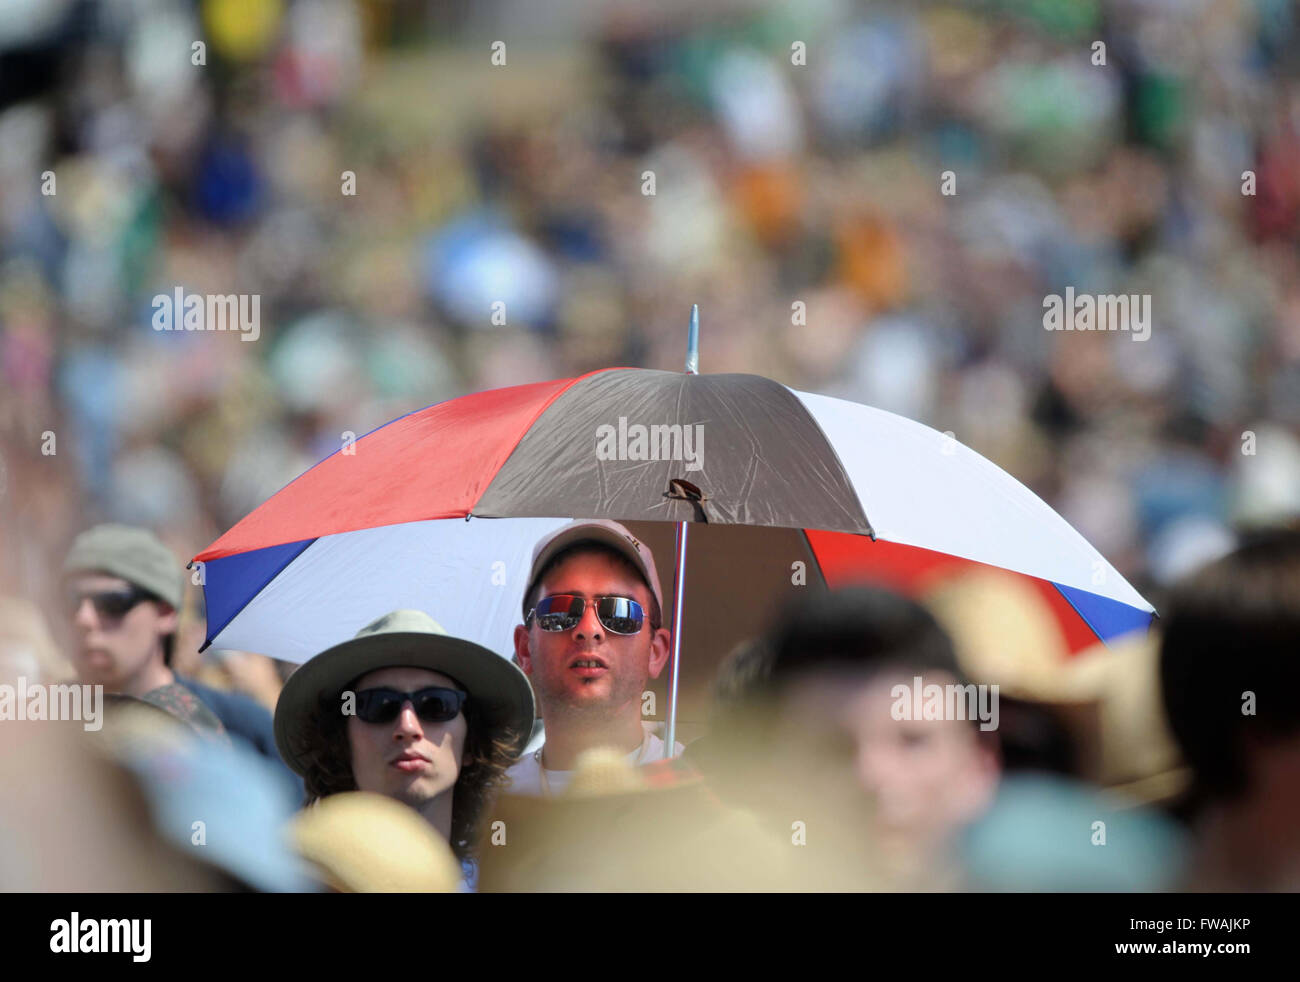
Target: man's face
[(110, 651), (925, 778), (590, 668), (408, 759)]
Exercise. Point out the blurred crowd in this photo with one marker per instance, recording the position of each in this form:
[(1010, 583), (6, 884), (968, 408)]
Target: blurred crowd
[(501, 232), (775, 184)]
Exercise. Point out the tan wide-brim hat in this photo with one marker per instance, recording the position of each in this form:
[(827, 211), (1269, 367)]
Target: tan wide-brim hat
[(402, 639), (1107, 695), (1002, 630), (1133, 751)]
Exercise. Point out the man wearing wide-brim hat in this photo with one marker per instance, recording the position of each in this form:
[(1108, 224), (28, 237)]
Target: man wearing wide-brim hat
[(405, 710)]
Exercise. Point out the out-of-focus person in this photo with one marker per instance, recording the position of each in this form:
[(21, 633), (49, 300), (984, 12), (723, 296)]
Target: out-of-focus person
[(77, 819), (27, 648), (618, 827), (1229, 671), (124, 590), (879, 781), (220, 805)]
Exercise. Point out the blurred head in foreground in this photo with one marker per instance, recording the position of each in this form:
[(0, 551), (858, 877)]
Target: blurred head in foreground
[(1230, 670), (617, 827), (27, 649), (220, 805), (76, 820), (865, 713), (142, 804)]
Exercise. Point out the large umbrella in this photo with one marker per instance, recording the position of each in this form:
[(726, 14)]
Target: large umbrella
[(783, 490)]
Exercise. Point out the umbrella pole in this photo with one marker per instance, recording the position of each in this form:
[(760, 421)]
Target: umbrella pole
[(679, 573), (679, 595)]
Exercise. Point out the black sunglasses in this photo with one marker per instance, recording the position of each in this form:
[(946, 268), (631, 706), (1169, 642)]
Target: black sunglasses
[(562, 612), (434, 704), (109, 604)]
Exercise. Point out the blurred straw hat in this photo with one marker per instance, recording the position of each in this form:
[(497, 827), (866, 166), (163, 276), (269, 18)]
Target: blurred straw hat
[(1108, 695), (1003, 631), (369, 843), (623, 828), (1136, 755)]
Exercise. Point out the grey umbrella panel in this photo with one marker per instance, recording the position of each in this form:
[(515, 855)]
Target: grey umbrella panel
[(612, 443)]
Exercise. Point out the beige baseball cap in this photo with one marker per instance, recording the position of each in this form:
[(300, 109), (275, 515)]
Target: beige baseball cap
[(606, 532)]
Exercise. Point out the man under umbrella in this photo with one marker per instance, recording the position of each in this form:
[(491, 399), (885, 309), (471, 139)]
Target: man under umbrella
[(591, 639)]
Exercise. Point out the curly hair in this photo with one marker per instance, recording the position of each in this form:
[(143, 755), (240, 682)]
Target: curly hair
[(323, 747)]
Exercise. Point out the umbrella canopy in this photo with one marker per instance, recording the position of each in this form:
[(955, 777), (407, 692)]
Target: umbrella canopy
[(796, 490)]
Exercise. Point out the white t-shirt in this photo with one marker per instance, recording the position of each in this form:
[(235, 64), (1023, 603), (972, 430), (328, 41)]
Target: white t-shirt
[(527, 776)]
